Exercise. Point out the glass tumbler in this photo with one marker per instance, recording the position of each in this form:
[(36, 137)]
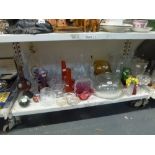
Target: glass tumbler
[(58, 90), (47, 96)]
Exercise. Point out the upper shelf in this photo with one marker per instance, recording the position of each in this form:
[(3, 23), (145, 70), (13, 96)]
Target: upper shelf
[(4, 38)]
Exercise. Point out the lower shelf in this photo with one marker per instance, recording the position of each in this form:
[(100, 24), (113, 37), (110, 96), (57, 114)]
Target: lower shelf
[(36, 108)]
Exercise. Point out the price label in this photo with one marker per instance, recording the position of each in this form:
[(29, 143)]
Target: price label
[(118, 71), (75, 36), (109, 82), (90, 37)]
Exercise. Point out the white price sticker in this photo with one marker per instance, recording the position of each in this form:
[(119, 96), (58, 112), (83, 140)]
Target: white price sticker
[(109, 82), (118, 71), (89, 37), (75, 36)]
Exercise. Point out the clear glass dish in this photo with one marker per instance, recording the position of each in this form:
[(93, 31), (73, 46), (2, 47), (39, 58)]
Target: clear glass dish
[(72, 99)]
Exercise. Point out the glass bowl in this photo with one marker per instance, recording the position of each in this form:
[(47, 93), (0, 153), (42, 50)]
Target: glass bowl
[(108, 87), (83, 88)]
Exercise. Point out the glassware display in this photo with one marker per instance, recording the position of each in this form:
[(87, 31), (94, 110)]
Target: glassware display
[(108, 87), (70, 83)]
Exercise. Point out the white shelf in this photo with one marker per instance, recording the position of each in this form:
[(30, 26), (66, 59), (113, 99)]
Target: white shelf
[(35, 108), (74, 36)]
